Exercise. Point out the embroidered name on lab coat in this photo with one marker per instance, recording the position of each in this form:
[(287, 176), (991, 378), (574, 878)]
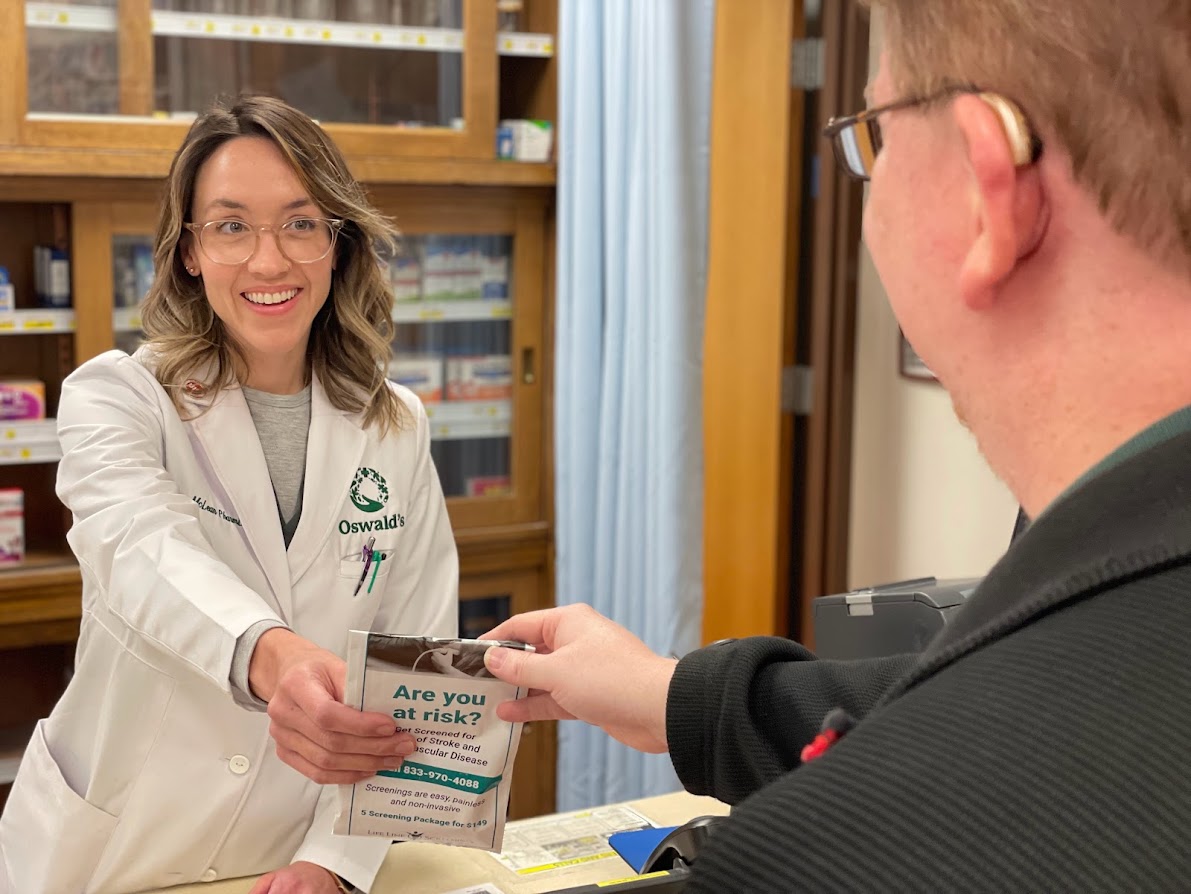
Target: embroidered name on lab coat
[(215, 510)]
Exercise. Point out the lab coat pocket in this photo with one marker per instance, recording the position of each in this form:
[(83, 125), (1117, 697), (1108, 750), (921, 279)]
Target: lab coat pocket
[(51, 838), (372, 581)]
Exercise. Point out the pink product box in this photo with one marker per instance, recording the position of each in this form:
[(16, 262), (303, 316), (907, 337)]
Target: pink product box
[(22, 399), (488, 486), (12, 526)]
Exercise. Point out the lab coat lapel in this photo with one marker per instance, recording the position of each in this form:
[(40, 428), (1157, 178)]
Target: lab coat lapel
[(334, 450), (228, 438)]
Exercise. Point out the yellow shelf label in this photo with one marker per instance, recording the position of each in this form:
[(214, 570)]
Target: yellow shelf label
[(38, 324), (631, 878)]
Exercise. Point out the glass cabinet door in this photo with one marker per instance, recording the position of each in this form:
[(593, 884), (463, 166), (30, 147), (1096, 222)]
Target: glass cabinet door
[(453, 349), (132, 274), (386, 62), (72, 58)]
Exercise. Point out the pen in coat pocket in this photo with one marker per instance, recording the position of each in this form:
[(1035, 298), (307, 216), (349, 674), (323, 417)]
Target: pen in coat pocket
[(367, 556)]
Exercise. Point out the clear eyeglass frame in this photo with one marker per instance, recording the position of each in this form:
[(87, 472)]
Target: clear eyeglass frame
[(333, 224)]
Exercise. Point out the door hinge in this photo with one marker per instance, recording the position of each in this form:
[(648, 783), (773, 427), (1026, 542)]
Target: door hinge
[(807, 65), (797, 390)]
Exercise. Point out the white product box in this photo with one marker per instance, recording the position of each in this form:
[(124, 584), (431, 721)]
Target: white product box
[(405, 275), (12, 525), (532, 139), (488, 377), (421, 374), (494, 271)]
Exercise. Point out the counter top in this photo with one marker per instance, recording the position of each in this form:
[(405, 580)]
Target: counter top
[(416, 868)]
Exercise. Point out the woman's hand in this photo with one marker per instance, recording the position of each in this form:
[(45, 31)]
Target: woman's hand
[(315, 733), (585, 668), (297, 878)]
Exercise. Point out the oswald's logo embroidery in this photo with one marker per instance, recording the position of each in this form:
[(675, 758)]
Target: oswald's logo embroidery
[(384, 523), (369, 491), (214, 510)]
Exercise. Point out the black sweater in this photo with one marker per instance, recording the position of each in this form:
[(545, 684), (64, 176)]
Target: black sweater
[(1042, 743)]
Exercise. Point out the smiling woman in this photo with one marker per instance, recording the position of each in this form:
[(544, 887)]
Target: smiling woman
[(233, 485), (264, 221)]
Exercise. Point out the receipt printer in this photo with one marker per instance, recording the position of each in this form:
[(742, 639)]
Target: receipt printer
[(892, 619)]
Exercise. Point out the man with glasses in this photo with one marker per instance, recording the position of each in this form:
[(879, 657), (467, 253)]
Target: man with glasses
[(1029, 212)]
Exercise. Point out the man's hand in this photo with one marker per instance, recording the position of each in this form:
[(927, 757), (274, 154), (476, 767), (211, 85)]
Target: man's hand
[(297, 878), (315, 733), (585, 668)]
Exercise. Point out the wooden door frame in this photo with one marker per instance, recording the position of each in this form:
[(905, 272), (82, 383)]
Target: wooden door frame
[(753, 560), (753, 131), (835, 240)]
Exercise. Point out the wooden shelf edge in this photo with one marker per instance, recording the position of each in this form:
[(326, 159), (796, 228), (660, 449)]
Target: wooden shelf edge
[(507, 548), (154, 165), (502, 535), (37, 576)]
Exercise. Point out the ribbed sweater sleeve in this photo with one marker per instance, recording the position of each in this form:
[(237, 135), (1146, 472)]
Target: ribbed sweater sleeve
[(739, 713)]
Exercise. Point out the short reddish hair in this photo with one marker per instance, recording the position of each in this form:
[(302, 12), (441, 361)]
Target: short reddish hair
[(1109, 80)]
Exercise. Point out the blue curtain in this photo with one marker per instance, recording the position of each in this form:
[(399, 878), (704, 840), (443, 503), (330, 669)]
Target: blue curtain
[(634, 109)]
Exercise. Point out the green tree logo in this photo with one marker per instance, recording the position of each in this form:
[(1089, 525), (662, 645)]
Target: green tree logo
[(369, 492)]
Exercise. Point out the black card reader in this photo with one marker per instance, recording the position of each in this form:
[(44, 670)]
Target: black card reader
[(892, 619)]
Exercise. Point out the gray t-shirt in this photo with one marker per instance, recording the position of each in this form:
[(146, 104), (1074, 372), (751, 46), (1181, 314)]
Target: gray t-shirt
[(283, 425)]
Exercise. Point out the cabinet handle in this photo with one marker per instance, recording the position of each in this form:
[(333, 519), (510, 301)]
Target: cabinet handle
[(528, 376)]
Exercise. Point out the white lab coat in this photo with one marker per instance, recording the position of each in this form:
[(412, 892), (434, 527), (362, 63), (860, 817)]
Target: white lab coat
[(149, 772)]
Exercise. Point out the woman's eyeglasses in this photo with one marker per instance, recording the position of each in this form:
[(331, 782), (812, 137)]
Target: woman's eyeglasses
[(303, 240)]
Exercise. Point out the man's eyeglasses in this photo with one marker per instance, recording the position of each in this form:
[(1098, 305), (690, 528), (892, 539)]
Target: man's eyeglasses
[(304, 240), (857, 138)]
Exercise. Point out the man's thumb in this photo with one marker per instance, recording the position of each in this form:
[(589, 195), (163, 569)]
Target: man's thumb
[(508, 664)]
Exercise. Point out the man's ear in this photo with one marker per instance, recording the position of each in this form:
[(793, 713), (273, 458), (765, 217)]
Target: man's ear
[(1007, 196)]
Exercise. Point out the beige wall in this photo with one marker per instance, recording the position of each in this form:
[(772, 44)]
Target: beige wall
[(923, 500)]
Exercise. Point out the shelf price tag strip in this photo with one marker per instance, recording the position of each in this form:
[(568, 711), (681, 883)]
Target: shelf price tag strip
[(306, 31)]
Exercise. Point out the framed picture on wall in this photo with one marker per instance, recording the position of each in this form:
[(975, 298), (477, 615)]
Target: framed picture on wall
[(911, 365)]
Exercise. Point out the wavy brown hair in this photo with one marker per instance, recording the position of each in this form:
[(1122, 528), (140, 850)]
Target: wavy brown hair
[(350, 337)]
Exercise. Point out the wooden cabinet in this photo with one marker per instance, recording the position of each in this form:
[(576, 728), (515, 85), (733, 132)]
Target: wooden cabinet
[(475, 276), (109, 87)]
